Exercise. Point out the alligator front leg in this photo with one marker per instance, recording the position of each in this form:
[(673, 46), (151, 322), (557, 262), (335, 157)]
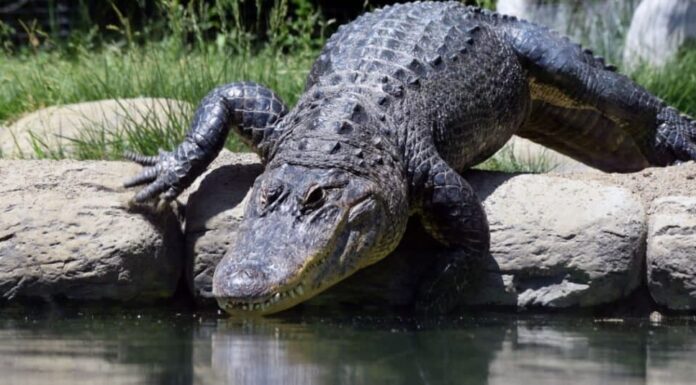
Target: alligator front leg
[(253, 110), (452, 214)]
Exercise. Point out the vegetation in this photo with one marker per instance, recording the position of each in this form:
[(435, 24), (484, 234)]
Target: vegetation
[(198, 48), (186, 50), (675, 83)]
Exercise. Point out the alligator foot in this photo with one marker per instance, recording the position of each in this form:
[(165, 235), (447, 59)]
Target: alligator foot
[(453, 215), (163, 175), (676, 136), (456, 271)]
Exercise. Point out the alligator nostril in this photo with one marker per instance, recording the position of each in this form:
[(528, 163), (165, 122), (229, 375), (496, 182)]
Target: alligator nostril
[(271, 193), (242, 282), (247, 275)]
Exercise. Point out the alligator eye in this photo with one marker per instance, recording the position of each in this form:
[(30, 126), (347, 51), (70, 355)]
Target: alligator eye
[(315, 197)]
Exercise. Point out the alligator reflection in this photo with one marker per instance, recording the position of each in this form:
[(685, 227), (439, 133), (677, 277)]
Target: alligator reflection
[(168, 348), (464, 352), (320, 353)]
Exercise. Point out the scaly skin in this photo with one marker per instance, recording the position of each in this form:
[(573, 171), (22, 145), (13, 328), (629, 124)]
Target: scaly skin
[(399, 102)]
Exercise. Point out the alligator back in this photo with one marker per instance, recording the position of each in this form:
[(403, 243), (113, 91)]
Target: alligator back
[(448, 77)]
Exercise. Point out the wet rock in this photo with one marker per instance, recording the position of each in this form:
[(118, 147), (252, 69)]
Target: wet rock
[(671, 252), (658, 29), (52, 130), (65, 232), (214, 209), (558, 242)]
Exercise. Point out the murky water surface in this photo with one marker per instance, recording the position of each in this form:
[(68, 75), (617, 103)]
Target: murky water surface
[(169, 347)]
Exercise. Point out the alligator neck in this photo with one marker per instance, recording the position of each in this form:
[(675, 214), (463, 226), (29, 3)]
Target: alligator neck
[(341, 123)]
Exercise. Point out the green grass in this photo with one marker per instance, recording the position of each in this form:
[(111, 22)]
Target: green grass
[(675, 83), (199, 46), (36, 81), (505, 160)]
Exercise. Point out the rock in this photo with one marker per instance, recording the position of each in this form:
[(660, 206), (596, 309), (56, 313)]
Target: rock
[(650, 183), (671, 252), (658, 29), (525, 9), (593, 23), (53, 129), (65, 232), (558, 242), (214, 209), (656, 317)]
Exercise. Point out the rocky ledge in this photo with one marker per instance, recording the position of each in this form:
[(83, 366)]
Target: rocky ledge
[(557, 240)]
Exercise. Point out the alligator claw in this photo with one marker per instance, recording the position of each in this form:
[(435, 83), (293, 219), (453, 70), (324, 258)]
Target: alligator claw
[(151, 191), (159, 175), (675, 138), (146, 176), (684, 147), (143, 159)]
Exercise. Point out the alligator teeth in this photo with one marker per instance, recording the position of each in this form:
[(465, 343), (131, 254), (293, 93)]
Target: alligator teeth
[(299, 290)]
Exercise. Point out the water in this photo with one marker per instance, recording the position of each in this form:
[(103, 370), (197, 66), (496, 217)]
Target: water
[(169, 347)]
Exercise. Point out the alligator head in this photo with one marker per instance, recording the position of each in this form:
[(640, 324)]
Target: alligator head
[(304, 230)]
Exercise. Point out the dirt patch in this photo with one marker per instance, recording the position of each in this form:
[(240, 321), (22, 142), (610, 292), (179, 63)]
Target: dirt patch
[(651, 183)]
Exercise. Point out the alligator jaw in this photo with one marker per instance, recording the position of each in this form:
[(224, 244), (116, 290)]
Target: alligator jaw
[(311, 279), (265, 306)]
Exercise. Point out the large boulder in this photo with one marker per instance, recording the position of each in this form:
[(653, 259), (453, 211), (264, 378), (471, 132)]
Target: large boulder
[(52, 130), (65, 231), (558, 242), (658, 29), (671, 252)]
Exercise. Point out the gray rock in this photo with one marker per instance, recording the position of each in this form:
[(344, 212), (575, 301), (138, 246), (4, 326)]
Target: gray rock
[(53, 129), (65, 232), (214, 208), (594, 23), (658, 29), (558, 242), (671, 252)]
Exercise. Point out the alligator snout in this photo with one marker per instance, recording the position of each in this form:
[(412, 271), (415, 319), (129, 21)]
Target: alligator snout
[(247, 282)]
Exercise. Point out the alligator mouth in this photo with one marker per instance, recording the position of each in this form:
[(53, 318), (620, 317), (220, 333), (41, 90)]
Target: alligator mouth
[(314, 277), (294, 293)]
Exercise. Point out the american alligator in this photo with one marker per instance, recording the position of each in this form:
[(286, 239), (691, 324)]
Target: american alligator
[(398, 103)]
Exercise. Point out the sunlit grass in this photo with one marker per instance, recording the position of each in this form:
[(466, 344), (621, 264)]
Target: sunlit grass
[(182, 54), (675, 83), (506, 160), (33, 82)]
